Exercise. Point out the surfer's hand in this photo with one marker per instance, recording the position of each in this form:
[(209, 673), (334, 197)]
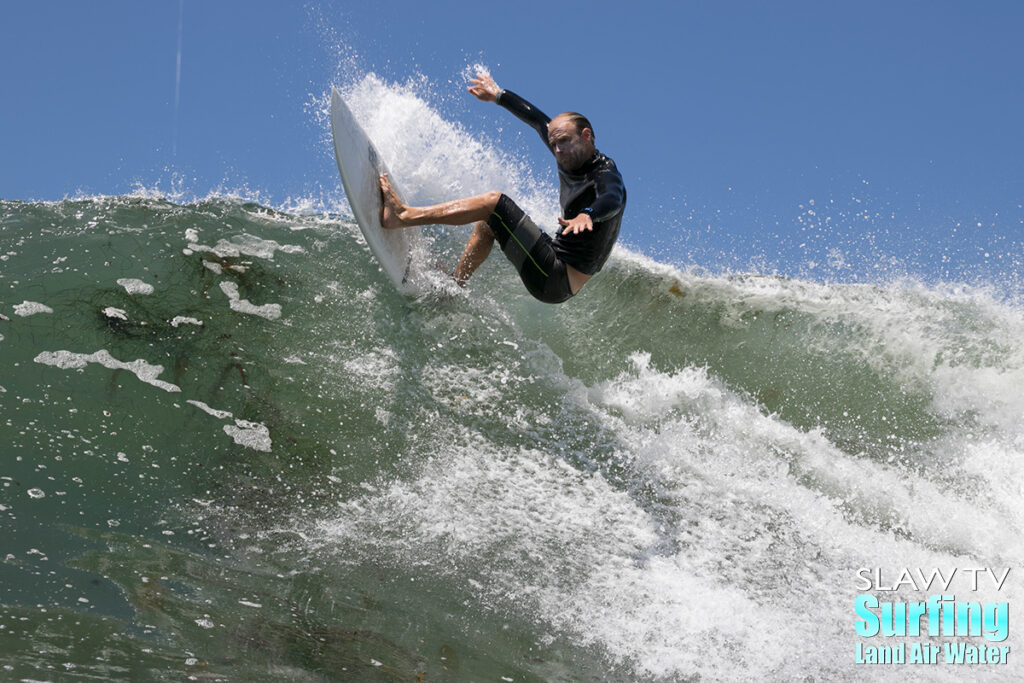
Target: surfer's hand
[(483, 87), (578, 224)]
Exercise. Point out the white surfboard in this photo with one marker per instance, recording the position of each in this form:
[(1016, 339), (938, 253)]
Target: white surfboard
[(360, 168)]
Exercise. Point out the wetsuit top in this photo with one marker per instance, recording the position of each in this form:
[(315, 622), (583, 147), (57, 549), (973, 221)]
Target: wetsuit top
[(596, 188)]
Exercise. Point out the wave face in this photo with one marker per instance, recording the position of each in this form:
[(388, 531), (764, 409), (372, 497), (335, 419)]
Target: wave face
[(231, 450)]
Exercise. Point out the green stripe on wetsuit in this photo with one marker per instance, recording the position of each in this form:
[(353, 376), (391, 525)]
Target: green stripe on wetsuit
[(520, 235)]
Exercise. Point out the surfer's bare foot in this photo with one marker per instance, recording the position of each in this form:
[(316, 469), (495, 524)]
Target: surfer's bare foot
[(450, 273), (392, 209)]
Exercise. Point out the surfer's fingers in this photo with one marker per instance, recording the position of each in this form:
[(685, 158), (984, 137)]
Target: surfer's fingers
[(483, 86)]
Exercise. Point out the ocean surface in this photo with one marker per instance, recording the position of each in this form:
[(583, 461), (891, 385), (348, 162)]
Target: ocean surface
[(231, 451)]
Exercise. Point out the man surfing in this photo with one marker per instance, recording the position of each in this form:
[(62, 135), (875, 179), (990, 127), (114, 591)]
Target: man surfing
[(592, 197)]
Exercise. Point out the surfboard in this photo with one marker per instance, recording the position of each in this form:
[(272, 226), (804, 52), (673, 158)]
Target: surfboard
[(360, 166)]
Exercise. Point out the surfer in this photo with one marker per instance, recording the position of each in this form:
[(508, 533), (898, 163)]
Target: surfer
[(592, 198)]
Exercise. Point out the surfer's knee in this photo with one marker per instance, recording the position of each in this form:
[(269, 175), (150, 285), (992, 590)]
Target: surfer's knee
[(491, 199), (482, 231)]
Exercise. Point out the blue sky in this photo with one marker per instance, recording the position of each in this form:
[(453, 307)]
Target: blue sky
[(899, 120)]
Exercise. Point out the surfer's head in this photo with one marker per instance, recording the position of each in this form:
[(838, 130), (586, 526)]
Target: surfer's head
[(572, 140)]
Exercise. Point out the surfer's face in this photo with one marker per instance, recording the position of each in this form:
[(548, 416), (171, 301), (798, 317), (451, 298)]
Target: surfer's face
[(572, 148)]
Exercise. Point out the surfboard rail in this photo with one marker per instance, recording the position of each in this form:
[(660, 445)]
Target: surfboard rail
[(360, 166)]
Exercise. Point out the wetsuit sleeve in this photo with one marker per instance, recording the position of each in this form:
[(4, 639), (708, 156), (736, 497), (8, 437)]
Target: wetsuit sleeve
[(526, 112), (611, 196)]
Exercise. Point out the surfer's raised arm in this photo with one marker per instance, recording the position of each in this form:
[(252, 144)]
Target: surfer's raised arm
[(484, 88)]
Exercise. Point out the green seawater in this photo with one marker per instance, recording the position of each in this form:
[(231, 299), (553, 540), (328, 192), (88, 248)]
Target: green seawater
[(229, 450)]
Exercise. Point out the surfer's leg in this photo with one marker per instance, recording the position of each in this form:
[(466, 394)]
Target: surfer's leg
[(395, 214), (531, 252), (476, 252)]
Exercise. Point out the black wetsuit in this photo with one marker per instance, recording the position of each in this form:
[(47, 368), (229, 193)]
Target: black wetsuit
[(595, 188)]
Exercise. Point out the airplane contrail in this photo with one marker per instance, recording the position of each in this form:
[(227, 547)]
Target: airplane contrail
[(177, 77)]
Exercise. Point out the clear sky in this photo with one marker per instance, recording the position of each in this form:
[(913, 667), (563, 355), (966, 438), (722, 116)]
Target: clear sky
[(898, 119)]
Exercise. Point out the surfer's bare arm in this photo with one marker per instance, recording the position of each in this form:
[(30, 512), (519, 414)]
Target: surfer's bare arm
[(483, 87)]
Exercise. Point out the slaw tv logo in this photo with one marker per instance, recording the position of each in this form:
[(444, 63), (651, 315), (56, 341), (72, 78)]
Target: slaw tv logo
[(939, 629)]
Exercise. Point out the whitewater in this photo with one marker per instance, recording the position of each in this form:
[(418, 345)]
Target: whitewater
[(231, 451)]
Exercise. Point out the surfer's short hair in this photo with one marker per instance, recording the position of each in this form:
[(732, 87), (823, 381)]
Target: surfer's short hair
[(578, 120)]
